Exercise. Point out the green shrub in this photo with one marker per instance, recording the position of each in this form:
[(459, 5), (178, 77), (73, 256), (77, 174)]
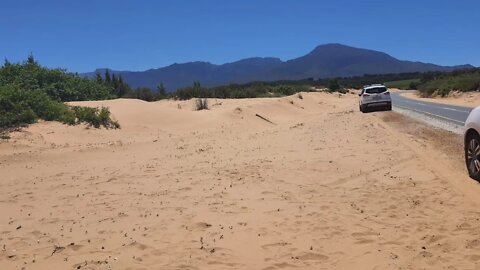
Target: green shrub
[(333, 85), (249, 90), (285, 90), (18, 108), (29, 92), (443, 83), (94, 117), (147, 94), (55, 83)]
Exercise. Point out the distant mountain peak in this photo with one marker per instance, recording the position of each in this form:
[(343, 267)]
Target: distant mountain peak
[(338, 50), (258, 59), (326, 60)]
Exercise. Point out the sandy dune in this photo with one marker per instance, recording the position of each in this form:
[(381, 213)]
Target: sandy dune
[(321, 187), (467, 99)]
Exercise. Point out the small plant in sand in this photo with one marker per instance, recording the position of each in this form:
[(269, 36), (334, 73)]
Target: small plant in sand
[(300, 96), (95, 117), (201, 104)]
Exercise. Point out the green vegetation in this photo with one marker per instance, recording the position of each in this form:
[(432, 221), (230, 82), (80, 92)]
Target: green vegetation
[(285, 88), (428, 83), (55, 83), (442, 83), (358, 82), (403, 84), (250, 90), (95, 117), (29, 92), (18, 107), (333, 85), (146, 94)]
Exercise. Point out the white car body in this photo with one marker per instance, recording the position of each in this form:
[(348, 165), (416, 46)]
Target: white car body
[(375, 96), (472, 143), (473, 122)]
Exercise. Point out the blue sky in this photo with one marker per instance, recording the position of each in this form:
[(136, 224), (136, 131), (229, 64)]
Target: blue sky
[(138, 35)]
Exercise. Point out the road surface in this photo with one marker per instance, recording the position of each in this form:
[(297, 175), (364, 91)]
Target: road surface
[(451, 113)]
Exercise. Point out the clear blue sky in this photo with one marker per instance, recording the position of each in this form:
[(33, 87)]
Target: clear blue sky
[(138, 35)]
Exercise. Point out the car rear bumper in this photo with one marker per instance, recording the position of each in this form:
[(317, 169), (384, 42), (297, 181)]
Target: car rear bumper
[(378, 103)]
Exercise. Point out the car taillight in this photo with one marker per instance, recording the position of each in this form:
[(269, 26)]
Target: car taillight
[(366, 95)]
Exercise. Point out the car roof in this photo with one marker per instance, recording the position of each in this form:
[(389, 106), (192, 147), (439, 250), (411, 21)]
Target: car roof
[(373, 86)]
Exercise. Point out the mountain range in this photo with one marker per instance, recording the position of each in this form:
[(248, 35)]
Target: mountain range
[(325, 61)]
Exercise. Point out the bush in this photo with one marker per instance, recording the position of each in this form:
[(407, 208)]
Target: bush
[(95, 117), (333, 85), (19, 107), (442, 83), (414, 85), (146, 94), (55, 83), (29, 92), (285, 90), (249, 90), (201, 104)]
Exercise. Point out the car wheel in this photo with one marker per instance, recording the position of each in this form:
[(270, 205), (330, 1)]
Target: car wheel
[(360, 108), (389, 107), (364, 108), (472, 155)]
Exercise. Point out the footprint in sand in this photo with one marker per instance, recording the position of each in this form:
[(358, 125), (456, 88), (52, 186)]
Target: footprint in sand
[(279, 244), (310, 256), (280, 266)]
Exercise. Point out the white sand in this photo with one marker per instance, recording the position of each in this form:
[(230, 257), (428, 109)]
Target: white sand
[(324, 187)]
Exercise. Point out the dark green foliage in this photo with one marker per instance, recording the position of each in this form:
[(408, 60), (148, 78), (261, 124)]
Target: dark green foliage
[(162, 92), (201, 104), (443, 83), (95, 117), (427, 83), (19, 107), (285, 90), (108, 79), (120, 88), (333, 85), (403, 84), (414, 85), (250, 90), (98, 77), (358, 82), (56, 83), (145, 93), (29, 92)]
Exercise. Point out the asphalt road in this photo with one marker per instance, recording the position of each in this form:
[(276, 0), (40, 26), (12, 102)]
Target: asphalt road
[(451, 113)]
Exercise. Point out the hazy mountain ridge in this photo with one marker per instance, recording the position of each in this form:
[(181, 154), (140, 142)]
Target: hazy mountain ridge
[(329, 60)]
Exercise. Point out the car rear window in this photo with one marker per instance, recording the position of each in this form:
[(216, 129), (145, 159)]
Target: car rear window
[(376, 90)]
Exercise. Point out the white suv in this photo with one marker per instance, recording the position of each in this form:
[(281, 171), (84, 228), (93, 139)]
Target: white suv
[(375, 96), (472, 143)]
